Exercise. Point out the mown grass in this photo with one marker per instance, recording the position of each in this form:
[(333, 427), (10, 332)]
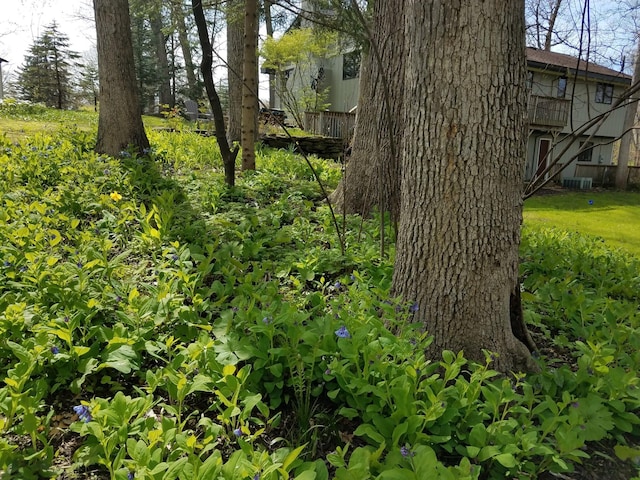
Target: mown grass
[(614, 217)]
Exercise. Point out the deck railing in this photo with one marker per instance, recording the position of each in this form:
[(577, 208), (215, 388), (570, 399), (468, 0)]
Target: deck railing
[(548, 111), (330, 124)]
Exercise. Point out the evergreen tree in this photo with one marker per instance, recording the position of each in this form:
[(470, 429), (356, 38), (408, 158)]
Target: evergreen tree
[(47, 74)]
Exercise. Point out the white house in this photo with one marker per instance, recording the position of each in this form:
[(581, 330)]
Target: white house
[(564, 95)]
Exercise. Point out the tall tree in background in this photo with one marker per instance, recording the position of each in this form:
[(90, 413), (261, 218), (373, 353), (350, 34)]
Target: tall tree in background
[(145, 63), (194, 89), (250, 85), (541, 28), (228, 155), (268, 20), (163, 75), (235, 62), (120, 121), (46, 75), (372, 175), (462, 163)]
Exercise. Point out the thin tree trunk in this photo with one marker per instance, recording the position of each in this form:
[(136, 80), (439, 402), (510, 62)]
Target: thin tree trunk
[(622, 170), (119, 121), (162, 61), (185, 46), (228, 155), (250, 85), (372, 176), (461, 193), (272, 76), (235, 45), (552, 25)]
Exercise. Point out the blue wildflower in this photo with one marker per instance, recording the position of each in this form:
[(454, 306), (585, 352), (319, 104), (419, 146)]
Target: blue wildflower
[(590, 202), (414, 307), (6, 263), (55, 350), (267, 320), (175, 257), (406, 452), (146, 151), (256, 476), (337, 285), (130, 476), (83, 412), (237, 432), (342, 332), (575, 405), (125, 154)]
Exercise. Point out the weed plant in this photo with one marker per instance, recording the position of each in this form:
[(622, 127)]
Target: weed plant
[(186, 330)]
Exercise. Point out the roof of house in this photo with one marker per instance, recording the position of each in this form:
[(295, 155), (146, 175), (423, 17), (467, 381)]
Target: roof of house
[(562, 63)]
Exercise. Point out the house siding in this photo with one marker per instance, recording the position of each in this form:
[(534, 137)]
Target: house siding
[(580, 89)]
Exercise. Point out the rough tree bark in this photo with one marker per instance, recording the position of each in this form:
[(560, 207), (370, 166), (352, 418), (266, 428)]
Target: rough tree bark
[(119, 121), (235, 45), (372, 175), (228, 155), (249, 85), (462, 163)]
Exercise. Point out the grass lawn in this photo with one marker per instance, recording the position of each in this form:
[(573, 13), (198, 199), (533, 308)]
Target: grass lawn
[(613, 216)]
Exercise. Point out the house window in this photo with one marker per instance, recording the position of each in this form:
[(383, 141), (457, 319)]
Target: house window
[(562, 87), (604, 93), (351, 65), (586, 155)]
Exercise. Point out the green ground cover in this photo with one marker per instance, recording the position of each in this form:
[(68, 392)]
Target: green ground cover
[(157, 325)]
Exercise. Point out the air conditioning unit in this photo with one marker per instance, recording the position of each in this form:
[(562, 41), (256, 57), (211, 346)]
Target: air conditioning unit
[(579, 183)]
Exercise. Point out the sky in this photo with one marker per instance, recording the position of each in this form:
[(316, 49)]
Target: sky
[(23, 21)]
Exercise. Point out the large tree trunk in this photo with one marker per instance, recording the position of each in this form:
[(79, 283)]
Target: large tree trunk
[(372, 176), (235, 46), (461, 192), (178, 15), (622, 170), (119, 122), (162, 60), (249, 132), (228, 155)]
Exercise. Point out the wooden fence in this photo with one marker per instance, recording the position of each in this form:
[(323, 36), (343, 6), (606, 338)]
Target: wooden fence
[(330, 124)]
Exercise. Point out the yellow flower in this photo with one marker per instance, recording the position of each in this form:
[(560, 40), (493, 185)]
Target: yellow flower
[(115, 196)]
